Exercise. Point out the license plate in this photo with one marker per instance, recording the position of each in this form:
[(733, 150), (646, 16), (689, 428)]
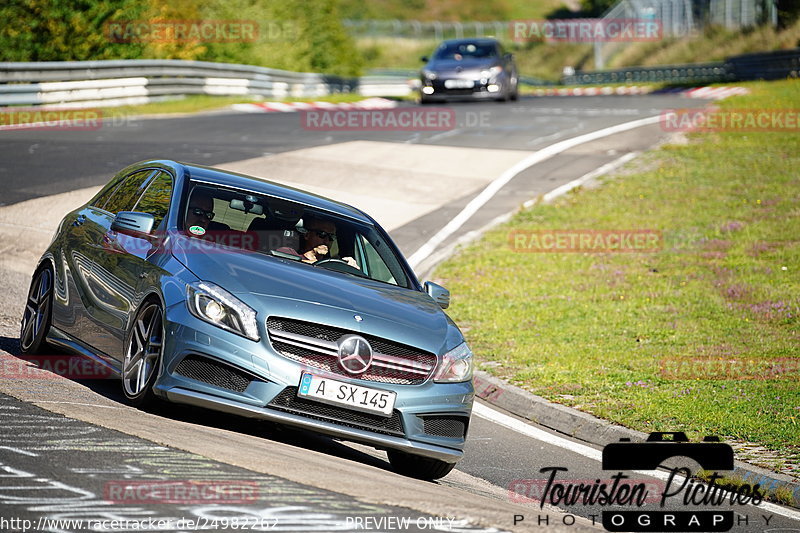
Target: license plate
[(355, 397), (459, 84)]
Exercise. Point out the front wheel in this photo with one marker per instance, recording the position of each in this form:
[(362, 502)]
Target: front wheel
[(38, 313), (417, 466), (143, 351)]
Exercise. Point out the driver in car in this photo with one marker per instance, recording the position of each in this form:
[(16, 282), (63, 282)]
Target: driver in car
[(318, 237), (200, 212)]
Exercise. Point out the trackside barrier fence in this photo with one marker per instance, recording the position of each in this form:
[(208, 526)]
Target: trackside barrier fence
[(138, 81)]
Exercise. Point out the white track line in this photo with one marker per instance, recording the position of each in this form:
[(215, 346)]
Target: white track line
[(605, 169), (537, 157), (492, 415)]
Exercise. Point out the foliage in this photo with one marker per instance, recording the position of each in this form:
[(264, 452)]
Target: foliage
[(58, 30), (294, 35)]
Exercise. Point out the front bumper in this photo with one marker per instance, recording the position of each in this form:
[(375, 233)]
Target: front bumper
[(481, 89), (250, 379)]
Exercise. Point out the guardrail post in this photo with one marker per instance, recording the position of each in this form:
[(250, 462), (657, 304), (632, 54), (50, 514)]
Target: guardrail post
[(598, 55)]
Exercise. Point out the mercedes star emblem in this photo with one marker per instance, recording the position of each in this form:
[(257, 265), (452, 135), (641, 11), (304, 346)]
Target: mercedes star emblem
[(355, 354)]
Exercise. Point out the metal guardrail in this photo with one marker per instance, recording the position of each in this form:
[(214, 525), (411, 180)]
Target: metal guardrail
[(697, 73), (137, 81), (767, 65), (433, 30)]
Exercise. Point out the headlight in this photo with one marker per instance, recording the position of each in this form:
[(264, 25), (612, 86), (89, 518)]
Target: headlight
[(429, 74), (217, 306), (456, 365), (492, 72)]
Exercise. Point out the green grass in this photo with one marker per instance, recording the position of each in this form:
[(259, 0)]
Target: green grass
[(189, 104), (197, 103), (589, 330)]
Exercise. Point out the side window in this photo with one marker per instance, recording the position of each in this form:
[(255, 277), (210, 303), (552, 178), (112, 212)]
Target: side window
[(126, 194), (155, 199), (375, 267), (102, 198)]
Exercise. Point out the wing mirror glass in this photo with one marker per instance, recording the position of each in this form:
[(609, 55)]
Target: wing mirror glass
[(439, 294)]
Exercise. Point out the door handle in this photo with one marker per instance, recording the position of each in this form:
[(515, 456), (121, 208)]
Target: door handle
[(80, 220)]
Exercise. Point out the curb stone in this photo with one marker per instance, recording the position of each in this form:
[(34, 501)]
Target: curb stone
[(596, 431)]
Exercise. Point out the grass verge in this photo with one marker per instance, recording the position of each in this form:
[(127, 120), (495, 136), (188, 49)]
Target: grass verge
[(599, 331), (189, 104), (197, 103)]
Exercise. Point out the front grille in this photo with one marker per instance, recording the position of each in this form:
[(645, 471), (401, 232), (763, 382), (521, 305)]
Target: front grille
[(315, 346), (454, 427), (289, 401), (214, 373)]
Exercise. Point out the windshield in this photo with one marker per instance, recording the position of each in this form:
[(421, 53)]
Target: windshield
[(459, 51), (290, 231)]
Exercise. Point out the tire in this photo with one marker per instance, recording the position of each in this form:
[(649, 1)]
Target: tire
[(417, 466), (144, 348), (505, 97), (38, 314), (515, 94)]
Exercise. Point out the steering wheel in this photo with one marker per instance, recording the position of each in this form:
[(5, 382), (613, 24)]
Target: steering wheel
[(340, 265)]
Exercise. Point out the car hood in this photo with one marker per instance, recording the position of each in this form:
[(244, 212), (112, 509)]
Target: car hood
[(469, 64), (282, 287)]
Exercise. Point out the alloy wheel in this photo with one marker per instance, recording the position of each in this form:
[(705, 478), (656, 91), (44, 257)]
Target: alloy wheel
[(143, 353), (35, 319)]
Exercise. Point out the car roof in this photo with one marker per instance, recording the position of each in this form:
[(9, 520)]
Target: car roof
[(260, 185)]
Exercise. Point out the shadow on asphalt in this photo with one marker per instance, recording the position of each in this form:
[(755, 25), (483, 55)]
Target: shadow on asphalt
[(112, 390)]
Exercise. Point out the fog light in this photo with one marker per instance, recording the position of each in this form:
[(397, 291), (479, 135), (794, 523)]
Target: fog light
[(493, 88), (427, 90)]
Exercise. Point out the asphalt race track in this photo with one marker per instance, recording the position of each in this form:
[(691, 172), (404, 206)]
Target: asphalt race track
[(66, 445)]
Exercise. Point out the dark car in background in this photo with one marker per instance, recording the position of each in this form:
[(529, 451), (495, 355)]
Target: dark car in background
[(469, 68)]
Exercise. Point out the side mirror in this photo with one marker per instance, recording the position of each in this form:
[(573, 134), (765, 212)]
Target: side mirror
[(424, 59), (439, 294), (133, 222)]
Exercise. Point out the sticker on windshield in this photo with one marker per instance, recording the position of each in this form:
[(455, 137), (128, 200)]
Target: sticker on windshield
[(197, 230)]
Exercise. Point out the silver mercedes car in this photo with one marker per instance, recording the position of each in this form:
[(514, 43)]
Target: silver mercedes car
[(220, 290)]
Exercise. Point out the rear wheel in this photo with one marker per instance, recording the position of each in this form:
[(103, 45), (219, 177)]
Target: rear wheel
[(38, 313), (143, 350), (417, 466)]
